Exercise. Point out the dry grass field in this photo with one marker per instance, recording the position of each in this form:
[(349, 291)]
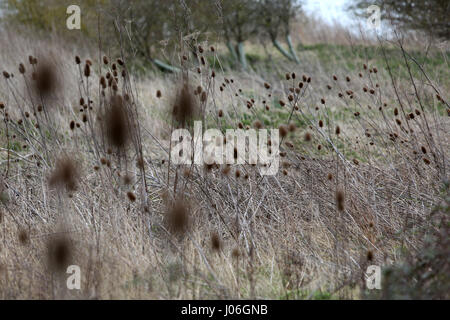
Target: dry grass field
[(86, 177)]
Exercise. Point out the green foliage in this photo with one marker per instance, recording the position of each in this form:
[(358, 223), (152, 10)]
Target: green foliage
[(425, 273), (50, 15), (430, 16)]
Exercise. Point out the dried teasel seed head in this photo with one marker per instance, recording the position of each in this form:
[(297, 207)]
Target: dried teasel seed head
[(21, 68), (65, 174), (87, 70), (216, 243), (291, 127), (340, 199), (103, 82), (283, 130), (307, 136), (131, 196), (257, 124), (289, 144), (23, 237), (203, 97), (235, 253), (178, 217)]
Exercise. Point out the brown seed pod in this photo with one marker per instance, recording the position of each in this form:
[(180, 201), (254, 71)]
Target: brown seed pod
[(178, 217), (65, 174), (131, 196), (257, 124), (283, 130), (59, 253), (23, 237), (87, 70), (185, 107), (21, 68), (216, 243), (292, 127), (340, 199), (117, 128), (307, 136)]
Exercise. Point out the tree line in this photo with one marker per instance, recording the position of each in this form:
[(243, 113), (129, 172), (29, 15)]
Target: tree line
[(155, 29)]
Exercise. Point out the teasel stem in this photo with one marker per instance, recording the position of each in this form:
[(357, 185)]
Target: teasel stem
[(44, 144)]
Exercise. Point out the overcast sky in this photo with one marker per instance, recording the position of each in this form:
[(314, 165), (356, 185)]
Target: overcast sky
[(329, 10)]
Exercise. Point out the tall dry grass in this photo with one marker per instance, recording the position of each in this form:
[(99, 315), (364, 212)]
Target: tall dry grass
[(87, 178)]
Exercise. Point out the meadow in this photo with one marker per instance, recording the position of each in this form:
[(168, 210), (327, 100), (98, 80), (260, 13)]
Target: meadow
[(87, 177)]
